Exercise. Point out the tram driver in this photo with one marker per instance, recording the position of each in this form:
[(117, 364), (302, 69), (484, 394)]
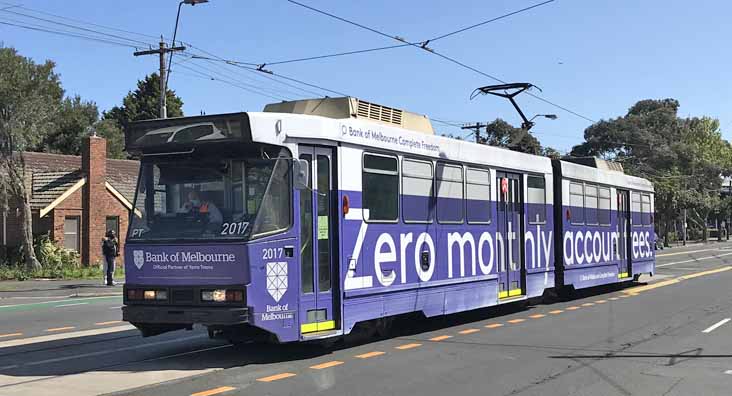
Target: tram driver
[(205, 208)]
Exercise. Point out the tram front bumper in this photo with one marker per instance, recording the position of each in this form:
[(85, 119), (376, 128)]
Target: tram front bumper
[(185, 315)]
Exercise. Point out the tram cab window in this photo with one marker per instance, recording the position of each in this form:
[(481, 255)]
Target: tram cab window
[(635, 209), (576, 203), (478, 195), (603, 213), (645, 209), (450, 205), (380, 188), (536, 199), (417, 191), (591, 204)]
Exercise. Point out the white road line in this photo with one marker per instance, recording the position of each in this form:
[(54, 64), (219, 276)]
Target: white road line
[(57, 301), (120, 307), (728, 372), (689, 252), (693, 260), (63, 336), (714, 326), (70, 305)]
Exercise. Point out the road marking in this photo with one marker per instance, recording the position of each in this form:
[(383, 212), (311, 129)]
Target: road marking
[(556, 311), (10, 335), (728, 372), (61, 328), (370, 354), (440, 338), (120, 307), (276, 377), (408, 346), (689, 252), (40, 304), (588, 304), (469, 331), (714, 271), (716, 325), (614, 298), (70, 305), (108, 323), (56, 337), (214, 391), (600, 301), (326, 365), (693, 260), (514, 321), (537, 316), (572, 308), (493, 325)]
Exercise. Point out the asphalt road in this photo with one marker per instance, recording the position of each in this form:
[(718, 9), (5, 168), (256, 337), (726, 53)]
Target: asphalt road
[(670, 336)]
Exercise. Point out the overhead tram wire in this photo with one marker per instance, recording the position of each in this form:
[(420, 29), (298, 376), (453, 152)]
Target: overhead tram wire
[(67, 34), (424, 47), (231, 83)]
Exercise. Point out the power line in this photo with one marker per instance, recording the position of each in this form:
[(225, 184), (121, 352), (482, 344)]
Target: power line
[(423, 46), (67, 34), (231, 83)]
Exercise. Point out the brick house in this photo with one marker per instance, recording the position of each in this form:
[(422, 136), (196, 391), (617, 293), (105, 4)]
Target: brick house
[(76, 199)]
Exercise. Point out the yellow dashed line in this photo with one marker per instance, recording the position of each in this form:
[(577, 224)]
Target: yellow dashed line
[(469, 331), (556, 311), (276, 377), (537, 316), (588, 304), (326, 365), (572, 308), (600, 301), (440, 338), (493, 325), (514, 321), (714, 271), (214, 391), (10, 335), (370, 354), (408, 346), (61, 328), (108, 323)]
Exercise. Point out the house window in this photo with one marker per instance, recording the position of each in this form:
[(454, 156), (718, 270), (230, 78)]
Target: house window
[(71, 233), (113, 224)]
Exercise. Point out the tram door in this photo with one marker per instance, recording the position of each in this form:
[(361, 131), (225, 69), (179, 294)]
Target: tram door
[(318, 220), (622, 248), (509, 238)]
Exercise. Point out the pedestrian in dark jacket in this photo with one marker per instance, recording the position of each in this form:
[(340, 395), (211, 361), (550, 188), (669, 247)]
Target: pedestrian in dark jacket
[(110, 250)]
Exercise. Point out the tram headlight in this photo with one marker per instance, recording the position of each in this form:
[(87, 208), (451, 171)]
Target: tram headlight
[(222, 295)]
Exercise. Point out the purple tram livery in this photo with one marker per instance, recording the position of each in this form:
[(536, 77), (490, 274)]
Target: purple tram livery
[(301, 221)]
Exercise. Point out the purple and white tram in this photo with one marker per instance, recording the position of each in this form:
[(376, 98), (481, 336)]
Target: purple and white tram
[(306, 219)]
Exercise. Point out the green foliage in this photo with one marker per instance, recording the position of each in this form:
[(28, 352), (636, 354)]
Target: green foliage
[(110, 130), (142, 104), (683, 157), (502, 134), (71, 127)]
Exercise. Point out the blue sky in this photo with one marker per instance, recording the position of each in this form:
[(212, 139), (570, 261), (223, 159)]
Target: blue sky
[(594, 57)]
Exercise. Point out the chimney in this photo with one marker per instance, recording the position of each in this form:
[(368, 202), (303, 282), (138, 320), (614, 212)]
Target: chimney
[(94, 167)]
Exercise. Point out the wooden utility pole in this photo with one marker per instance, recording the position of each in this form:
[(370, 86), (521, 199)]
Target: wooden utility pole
[(161, 51), (476, 129)]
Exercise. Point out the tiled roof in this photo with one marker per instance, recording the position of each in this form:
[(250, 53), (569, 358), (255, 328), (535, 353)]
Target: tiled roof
[(57, 171), (47, 186)]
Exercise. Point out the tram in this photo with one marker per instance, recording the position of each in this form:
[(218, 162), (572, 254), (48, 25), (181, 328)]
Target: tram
[(301, 221)]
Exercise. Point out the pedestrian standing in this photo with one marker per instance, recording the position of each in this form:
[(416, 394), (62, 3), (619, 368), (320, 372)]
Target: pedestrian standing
[(110, 250)]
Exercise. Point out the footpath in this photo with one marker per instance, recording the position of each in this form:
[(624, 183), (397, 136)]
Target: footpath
[(57, 288)]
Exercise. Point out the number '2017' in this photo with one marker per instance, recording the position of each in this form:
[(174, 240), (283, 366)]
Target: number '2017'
[(271, 253)]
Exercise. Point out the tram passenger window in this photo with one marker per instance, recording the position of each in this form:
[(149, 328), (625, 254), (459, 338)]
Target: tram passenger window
[(450, 204), (635, 209), (645, 209), (478, 190), (536, 199), (381, 187), (603, 212), (417, 191), (590, 204), (576, 203)]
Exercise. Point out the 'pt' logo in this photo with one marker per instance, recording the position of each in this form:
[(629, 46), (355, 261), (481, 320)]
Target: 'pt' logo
[(139, 256), (277, 279)]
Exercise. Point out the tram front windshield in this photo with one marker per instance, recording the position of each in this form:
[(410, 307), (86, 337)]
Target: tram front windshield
[(200, 199)]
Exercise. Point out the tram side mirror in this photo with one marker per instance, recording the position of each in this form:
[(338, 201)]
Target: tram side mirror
[(301, 170)]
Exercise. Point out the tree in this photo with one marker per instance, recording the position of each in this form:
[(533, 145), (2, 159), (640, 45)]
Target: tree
[(502, 134), (110, 130), (683, 157), (142, 104), (29, 97), (71, 126)]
